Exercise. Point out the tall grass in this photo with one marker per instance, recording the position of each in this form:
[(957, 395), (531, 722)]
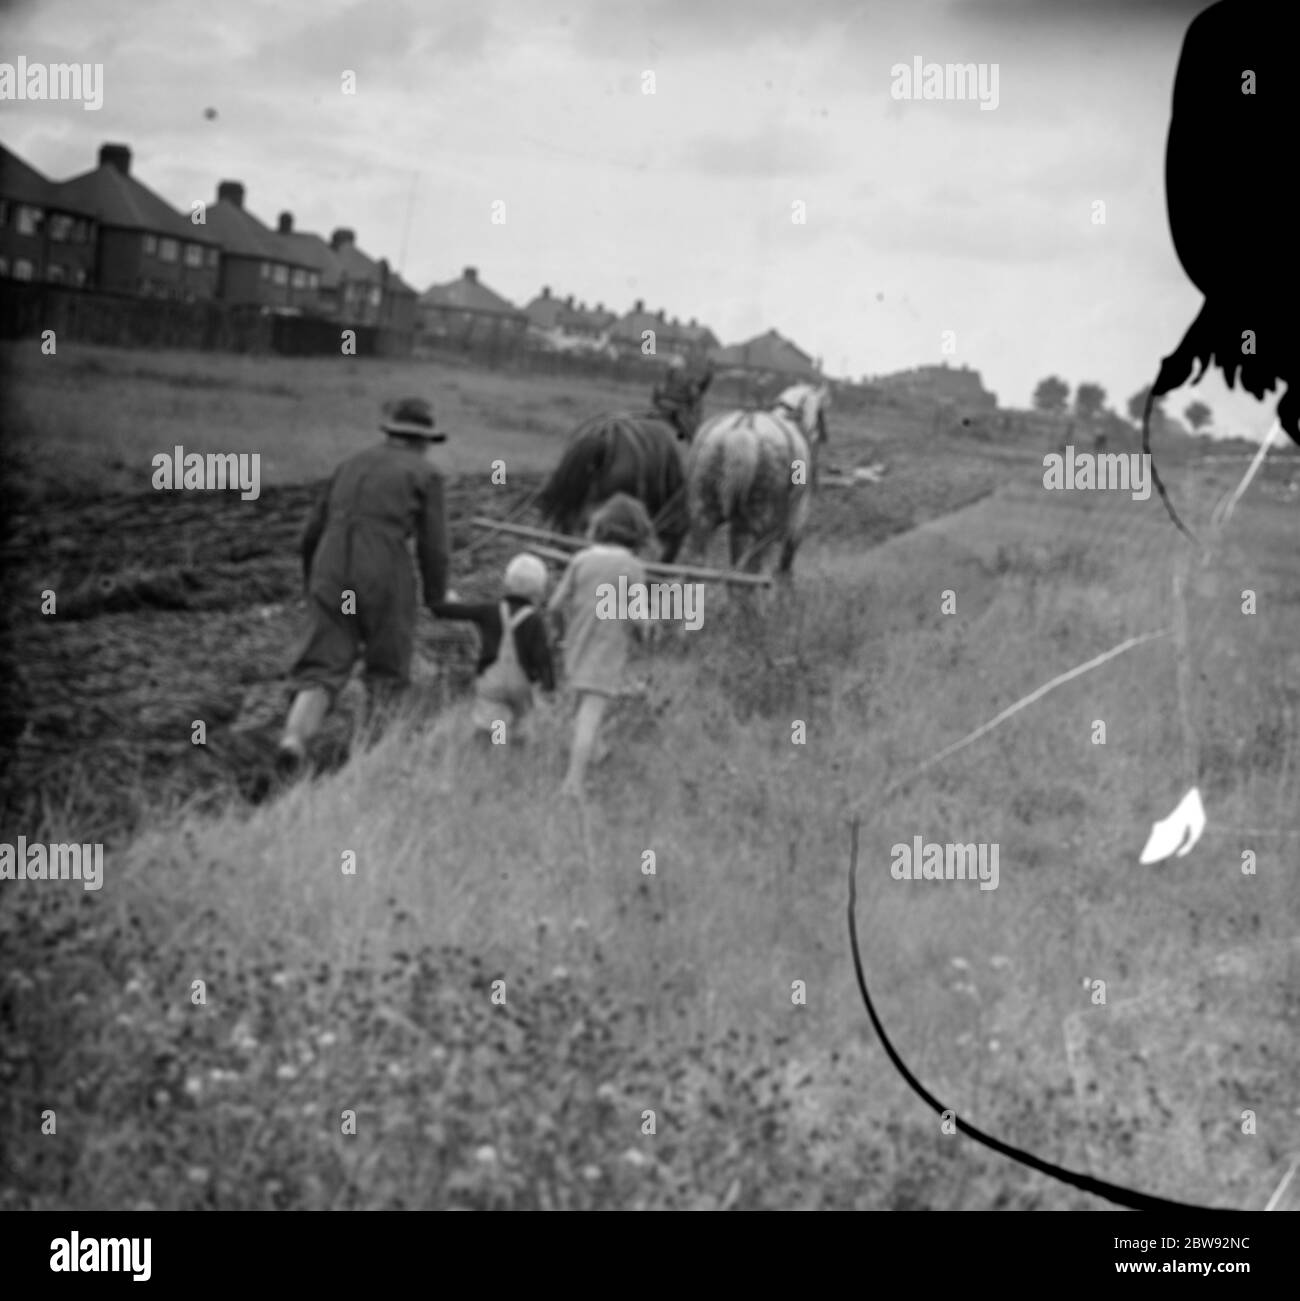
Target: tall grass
[(716, 991)]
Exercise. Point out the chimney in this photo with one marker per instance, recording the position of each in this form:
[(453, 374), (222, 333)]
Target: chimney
[(546, 291), (118, 156), (694, 323), (471, 274), (639, 305), (342, 237), (383, 271), (232, 191), (286, 223), (568, 302), (600, 307)]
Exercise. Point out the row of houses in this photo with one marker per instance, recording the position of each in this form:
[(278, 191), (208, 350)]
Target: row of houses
[(466, 311), (106, 230)]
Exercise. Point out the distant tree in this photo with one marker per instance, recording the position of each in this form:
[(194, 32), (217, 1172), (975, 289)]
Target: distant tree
[(1197, 415), (1137, 404), (1089, 400), (1051, 396)]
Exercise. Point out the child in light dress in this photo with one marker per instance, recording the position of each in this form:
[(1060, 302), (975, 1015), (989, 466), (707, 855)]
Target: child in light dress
[(595, 649)]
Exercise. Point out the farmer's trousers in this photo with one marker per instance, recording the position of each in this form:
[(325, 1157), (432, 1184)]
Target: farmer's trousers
[(384, 632)]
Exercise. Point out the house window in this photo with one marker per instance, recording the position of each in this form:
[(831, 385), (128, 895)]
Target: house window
[(212, 257), (281, 274), (55, 273), (4, 266), (22, 269), (80, 231), (60, 228), (313, 280), (29, 219), (168, 250), (193, 255), (266, 270), (375, 295), (150, 245), (79, 276), (299, 278)]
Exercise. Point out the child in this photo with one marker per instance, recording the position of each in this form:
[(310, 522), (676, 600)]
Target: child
[(514, 650), (595, 650)]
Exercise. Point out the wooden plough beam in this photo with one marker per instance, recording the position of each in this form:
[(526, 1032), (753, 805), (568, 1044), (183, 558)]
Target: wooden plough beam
[(559, 546)]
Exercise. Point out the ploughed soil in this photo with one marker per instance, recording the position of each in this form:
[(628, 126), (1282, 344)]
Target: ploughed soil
[(173, 608)]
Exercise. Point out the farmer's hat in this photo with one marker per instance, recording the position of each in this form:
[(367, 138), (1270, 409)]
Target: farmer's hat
[(411, 418)]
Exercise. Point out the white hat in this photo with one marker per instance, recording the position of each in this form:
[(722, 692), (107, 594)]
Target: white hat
[(526, 576)]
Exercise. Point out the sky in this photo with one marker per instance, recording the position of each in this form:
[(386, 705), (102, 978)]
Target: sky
[(927, 224)]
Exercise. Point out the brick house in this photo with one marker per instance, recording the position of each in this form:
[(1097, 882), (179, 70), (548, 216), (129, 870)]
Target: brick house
[(144, 246), (255, 266), (309, 250), (768, 357), (41, 238), (467, 312)]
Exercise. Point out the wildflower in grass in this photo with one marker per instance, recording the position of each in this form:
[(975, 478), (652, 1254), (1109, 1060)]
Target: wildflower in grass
[(485, 1155), (198, 1174), (285, 1072), (636, 1158)]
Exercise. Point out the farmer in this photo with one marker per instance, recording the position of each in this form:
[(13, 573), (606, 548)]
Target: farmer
[(680, 393), (595, 649), (360, 586), (514, 649)]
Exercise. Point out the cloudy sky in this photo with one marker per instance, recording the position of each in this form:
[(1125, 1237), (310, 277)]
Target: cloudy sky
[(922, 216)]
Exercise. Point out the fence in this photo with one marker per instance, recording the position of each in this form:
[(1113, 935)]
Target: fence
[(91, 316)]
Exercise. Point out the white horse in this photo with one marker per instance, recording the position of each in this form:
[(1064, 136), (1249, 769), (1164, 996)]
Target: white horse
[(755, 471)]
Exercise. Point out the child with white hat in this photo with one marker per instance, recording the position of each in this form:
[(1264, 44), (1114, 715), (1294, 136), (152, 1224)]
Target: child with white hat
[(515, 651)]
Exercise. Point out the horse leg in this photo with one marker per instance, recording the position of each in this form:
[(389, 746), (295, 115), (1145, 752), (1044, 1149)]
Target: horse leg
[(739, 535)]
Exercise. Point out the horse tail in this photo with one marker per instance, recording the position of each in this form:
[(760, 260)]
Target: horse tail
[(739, 466), (565, 493)]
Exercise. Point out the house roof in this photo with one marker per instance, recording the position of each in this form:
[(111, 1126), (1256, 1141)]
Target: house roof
[(310, 250), (634, 323), (545, 310), (240, 234), (468, 294), (767, 352), (21, 183), (115, 198)]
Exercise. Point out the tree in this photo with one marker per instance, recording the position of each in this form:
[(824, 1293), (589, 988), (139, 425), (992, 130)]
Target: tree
[(1051, 396), (1197, 415), (1137, 404), (1089, 400)]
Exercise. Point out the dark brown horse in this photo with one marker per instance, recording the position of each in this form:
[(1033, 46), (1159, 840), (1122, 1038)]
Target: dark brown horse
[(636, 454), (623, 452)]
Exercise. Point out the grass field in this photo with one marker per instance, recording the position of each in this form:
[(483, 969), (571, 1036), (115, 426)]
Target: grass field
[(348, 1046)]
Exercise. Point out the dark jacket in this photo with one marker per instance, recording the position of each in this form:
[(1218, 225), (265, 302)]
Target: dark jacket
[(532, 645), (356, 536)]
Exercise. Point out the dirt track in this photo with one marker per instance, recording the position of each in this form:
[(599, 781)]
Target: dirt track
[(173, 607)]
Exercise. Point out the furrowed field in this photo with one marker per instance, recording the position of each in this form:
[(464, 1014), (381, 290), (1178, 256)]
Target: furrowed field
[(625, 993)]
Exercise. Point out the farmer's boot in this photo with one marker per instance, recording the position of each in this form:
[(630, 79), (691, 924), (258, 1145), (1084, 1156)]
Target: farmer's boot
[(305, 717)]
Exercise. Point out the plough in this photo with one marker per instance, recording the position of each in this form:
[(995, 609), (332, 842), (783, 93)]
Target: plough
[(561, 547)]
